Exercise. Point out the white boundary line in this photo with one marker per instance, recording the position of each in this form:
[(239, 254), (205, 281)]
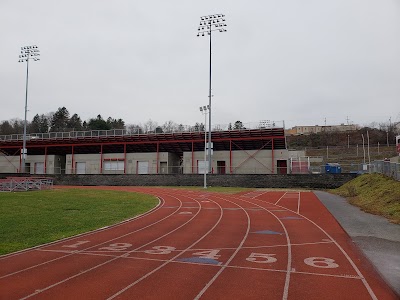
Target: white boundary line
[(278, 199), (289, 246), (183, 250), (157, 207), (298, 204), (94, 246), (367, 286), (170, 260), (223, 265), (212, 280), (114, 258)]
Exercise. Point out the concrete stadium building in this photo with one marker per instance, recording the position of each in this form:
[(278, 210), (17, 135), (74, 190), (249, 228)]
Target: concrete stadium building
[(244, 151)]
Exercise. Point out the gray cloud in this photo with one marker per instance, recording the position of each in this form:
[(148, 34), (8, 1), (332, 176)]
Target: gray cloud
[(280, 60)]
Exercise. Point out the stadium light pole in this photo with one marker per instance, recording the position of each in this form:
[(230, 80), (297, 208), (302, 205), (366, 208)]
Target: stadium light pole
[(208, 24), (204, 109), (27, 53)]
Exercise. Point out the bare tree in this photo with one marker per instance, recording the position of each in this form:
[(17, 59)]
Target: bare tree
[(170, 126), (134, 129), (150, 125)]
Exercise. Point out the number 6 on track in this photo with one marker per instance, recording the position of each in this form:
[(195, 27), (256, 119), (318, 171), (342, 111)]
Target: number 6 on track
[(321, 262), (261, 258)]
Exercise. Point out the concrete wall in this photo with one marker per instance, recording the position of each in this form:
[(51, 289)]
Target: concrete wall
[(243, 162), (9, 164), (52, 165), (318, 181), (93, 162)]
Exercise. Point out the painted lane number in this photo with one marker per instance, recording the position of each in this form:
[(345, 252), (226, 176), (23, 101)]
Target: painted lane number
[(76, 245), (321, 262), (160, 250), (262, 258), (210, 254), (117, 247)]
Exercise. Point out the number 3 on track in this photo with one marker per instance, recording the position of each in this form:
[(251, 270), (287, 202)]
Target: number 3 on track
[(160, 250), (321, 262)]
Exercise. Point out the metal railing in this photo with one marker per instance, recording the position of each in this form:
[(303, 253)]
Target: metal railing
[(138, 131), (17, 184), (387, 168)]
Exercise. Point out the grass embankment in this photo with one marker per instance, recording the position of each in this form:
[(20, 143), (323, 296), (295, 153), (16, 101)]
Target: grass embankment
[(32, 218), (374, 193)]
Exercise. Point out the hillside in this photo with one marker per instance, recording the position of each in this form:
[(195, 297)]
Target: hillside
[(345, 148), (374, 193)]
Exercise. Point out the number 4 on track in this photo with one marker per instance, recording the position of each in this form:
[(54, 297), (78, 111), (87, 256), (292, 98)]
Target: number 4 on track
[(210, 254)]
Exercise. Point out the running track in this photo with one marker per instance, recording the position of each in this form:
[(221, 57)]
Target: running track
[(254, 245)]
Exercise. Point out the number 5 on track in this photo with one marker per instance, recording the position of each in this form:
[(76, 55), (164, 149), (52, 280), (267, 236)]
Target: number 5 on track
[(262, 258)]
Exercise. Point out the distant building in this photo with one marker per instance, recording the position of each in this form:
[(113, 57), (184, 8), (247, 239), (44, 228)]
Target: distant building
[(306, 130)]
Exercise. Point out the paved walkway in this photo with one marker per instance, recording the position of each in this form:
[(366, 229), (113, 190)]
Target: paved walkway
[(374, 235)]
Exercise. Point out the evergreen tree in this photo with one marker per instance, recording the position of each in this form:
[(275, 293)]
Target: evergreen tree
[(6, 128), (39, 124), (238, 125), (115, 124), (59, 122), (75, 123), (98, 124)]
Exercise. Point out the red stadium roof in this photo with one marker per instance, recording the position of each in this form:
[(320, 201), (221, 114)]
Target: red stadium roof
[(116, 141)]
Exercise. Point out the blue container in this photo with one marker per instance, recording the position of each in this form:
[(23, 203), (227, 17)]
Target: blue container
[(333, 168)]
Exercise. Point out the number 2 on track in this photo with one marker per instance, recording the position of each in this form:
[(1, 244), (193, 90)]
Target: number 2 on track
[(117, 247)]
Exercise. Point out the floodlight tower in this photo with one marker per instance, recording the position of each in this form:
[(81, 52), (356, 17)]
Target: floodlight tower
[(208, 24), (204, 110), (27, 53)]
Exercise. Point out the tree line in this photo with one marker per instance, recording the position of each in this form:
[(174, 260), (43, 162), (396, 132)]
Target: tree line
[(59, 121), (63, 121)]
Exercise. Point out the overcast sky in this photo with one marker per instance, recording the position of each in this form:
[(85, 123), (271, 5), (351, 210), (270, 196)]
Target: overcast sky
[(298, 61)]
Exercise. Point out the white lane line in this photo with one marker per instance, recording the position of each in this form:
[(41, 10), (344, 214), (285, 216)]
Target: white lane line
[(170, 260), (280, 198), (109, 261), (349, 276), (190, 250), (232, 256), (289, 247), (366, 284), (91, 247), (298, 204), (95, 231)]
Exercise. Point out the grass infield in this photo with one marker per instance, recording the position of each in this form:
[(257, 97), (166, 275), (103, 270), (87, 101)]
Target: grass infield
[(29, 219)]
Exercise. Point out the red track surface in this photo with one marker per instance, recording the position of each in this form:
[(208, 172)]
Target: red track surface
[(257, 245)]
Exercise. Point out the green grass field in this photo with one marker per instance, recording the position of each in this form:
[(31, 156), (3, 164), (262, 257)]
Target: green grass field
[(374, 193), (32, 218)]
